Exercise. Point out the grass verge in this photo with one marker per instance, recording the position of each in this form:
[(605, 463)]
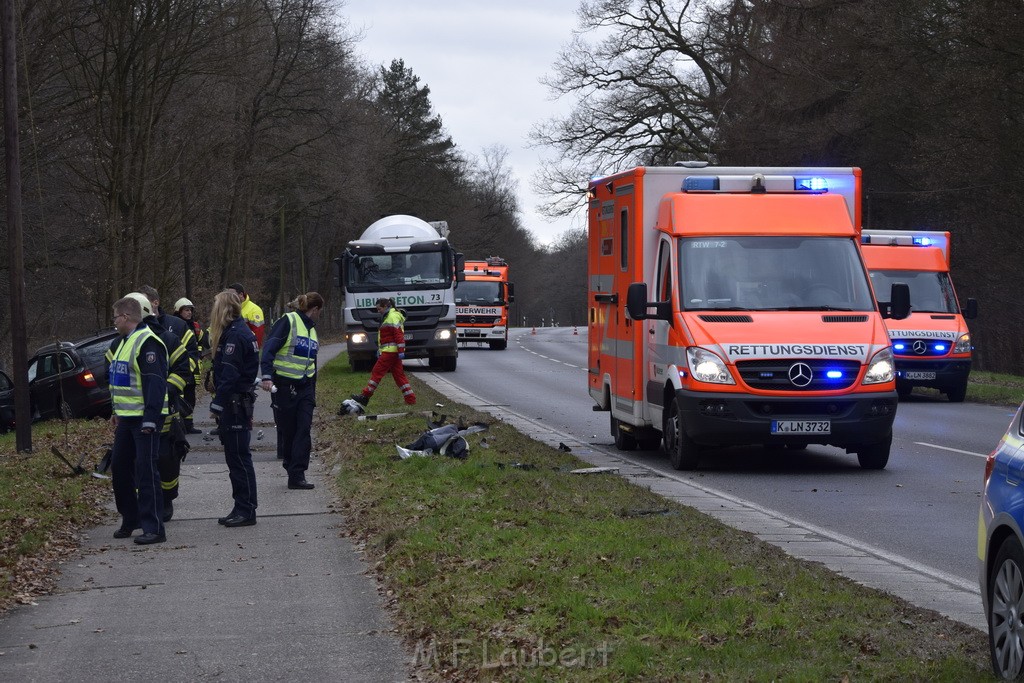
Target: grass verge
[(44, 504), (507, 567)]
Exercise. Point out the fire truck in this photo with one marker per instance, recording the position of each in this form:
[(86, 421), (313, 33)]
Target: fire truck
[(410, 261), (731, 306), (932, 345), (482, 303)]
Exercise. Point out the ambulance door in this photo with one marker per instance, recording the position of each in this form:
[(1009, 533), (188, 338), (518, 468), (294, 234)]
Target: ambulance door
[(627, 387), (659, 356)]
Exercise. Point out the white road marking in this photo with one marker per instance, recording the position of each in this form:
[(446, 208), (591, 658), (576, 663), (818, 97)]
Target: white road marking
[(947, 448)]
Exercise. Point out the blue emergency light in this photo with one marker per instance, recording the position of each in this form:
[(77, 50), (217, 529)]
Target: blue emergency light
[(705, 183), (940, 347), (899, 346), (810, 184), (834, 374), (923, 241)]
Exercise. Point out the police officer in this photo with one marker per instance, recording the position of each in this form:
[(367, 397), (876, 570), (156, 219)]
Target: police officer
[(173, 442), (138, 389), (235, 366), (288, 364)]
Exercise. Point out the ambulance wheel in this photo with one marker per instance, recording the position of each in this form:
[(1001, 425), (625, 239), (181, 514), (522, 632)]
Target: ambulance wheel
[(624, 441), (957, 394), (875, 456), (499, 345), (683, 452)]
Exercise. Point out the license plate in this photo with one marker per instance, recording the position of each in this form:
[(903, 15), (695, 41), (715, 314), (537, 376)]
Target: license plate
[(472, 333), (919, 375), (801, 427)]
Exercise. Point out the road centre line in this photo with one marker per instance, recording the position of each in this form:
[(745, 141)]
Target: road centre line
[(954, 450)]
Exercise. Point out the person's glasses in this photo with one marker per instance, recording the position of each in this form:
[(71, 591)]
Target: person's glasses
[(121, 315)]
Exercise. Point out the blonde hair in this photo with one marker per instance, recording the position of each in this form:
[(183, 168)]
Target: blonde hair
[(226, 308), (304, 302)]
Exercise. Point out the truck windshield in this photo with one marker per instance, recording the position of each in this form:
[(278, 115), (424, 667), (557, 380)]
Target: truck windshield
[(930, 292), (383, 272), (767, 273), (470, 292)]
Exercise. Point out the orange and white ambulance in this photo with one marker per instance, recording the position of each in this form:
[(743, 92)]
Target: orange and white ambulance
[(932, 345), (731, 305), (482, 303)]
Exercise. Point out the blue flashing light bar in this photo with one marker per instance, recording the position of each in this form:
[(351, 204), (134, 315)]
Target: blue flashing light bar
[(810, 184), (834, 374), (923, 241), (700, 183)]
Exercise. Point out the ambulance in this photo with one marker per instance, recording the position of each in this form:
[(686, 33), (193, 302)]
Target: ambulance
[(482, 302), (932, 345), (731, 306)]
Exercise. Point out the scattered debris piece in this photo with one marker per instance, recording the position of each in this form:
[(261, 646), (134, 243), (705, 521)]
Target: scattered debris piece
[(350, 406), (563, 447), (595, 470), (75, 469)]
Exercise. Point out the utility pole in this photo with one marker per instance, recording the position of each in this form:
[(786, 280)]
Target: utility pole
[(15, 240)]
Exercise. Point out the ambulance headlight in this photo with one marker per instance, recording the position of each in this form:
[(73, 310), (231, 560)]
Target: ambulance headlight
[(881, 368), (358, 338), (963, 344), (444, 335), (706, 366)]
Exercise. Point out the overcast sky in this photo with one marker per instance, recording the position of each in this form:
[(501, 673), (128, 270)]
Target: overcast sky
[(482, 62)]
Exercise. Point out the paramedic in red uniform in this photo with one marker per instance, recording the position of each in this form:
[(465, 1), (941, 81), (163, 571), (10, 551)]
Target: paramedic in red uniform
[(391, 347)]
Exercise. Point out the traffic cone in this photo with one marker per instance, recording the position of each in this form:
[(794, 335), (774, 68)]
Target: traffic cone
[(574, 330), (534, 331)]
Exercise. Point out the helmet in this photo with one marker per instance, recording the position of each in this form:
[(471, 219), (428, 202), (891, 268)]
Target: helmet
[(147, 308), (182, 303)]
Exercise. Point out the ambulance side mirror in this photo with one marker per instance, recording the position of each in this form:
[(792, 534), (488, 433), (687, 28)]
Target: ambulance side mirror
[(637, 304), (970, 311), (898, 307)]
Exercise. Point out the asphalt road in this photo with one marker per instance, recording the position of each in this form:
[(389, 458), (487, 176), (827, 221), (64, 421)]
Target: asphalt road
[(923, 506)]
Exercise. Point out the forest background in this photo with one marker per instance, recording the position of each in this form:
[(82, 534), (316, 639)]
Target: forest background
[(188, 144)]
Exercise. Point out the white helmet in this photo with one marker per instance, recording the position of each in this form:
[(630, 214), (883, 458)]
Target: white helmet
[(147, 307), (182, 303)]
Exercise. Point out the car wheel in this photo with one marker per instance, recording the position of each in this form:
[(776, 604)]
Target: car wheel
[(1005, 598), (957, 394), (683, 453), (624, 441), (66, 412), (875, 456)]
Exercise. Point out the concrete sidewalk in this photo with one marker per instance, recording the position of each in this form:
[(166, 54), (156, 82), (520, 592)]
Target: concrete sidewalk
[(286, 599)]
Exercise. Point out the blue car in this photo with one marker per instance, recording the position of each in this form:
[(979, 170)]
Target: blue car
[(1001, 551)]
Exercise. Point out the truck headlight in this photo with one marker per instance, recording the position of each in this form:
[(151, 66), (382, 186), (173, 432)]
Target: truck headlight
[(443, 335), (881, 368), (963, 344), (706, 366), (358, 338)]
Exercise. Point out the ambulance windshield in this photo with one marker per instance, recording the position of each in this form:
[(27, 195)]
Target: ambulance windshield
[(386, 272), (930, 292), (476, 292), (769, 273)]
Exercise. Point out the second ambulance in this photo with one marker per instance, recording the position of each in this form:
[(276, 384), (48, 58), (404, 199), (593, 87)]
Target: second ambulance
[(932, 345)]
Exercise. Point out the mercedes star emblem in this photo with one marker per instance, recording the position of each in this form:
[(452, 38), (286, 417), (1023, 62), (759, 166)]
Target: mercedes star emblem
[(920, 347), (800, 374)]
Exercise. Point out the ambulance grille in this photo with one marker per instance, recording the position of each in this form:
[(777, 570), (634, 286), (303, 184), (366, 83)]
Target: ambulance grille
[(726, 318), (844, 318), (773, 374)]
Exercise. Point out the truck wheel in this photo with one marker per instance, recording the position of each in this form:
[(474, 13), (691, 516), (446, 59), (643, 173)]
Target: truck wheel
[(958, 393), (649, 443), (448, 363), (875, 456), (624, 441), (360, 365), (499, 345), (683, 453)]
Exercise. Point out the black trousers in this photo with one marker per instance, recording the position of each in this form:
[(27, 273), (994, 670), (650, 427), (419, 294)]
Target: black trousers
[(235, 434), (293, 413), (133, 471)]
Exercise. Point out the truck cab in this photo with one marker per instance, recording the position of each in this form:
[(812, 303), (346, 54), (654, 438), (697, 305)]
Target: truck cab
[(482, 303), (410, 261), (932, 345)]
